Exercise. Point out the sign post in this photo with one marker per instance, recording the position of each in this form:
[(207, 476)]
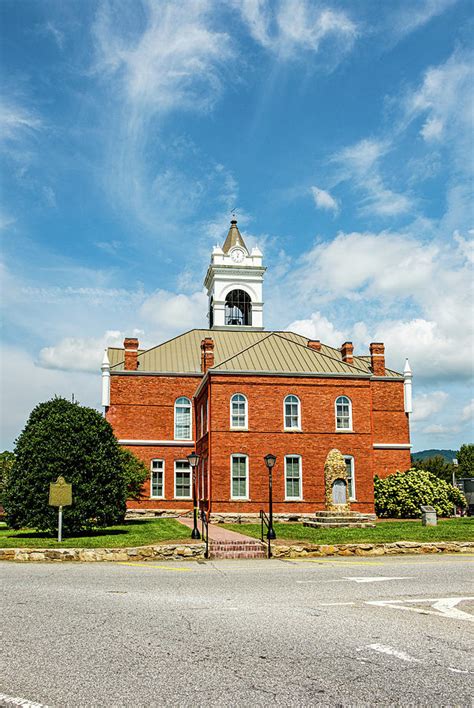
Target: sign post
[(60, 494)]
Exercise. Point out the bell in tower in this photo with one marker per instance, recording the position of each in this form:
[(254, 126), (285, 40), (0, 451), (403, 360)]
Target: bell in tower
[(234, 283)]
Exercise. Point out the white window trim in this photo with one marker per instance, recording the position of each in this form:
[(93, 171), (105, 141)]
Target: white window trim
[(246, 497), (202, 419), (343, 430), (157, 459), (239, 427), (353, 497), (298, 427), (190, 482), (190, 419), (300, 498)]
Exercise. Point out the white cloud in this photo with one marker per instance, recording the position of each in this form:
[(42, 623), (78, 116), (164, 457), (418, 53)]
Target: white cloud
[(432, 129), (168, 313), (23, 384), (468, 412), (411, 294), (426, 404), (359, 164), (318, 327), (16, 121), (80, 353), (439, 429), (287, 28), (408, 17), (324, 200)]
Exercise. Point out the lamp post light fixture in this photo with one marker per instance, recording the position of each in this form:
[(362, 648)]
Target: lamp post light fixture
[(193, 460), (270, 463)]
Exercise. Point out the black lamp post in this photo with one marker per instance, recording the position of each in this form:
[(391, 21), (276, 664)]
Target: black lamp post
[(193, 460), (270, 463)]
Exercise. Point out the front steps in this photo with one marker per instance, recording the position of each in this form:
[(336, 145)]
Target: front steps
[(237, 549), (341, 519)]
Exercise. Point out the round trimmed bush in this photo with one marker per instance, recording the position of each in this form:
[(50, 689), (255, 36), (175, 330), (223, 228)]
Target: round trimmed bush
[(400, 495)]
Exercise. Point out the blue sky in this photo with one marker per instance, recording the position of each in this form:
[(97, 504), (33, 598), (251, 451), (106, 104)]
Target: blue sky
[(341, 132)]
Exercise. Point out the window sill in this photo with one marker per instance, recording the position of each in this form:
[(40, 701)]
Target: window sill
[(292, 430), (154, 498), (294, 499), (183, 498), (344, 430), (239, 430), (240, 499)]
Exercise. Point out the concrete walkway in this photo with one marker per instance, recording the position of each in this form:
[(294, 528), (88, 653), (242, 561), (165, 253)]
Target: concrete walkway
[(217, 533)]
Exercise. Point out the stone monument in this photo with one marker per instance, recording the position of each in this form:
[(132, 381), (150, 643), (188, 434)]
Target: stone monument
[(335, 479)]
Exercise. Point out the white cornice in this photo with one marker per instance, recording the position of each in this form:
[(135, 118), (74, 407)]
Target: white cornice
[(392, 446), (163, 443)]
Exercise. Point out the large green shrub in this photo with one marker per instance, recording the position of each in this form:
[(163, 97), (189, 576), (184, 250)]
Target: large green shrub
[(465, 459), (63, 438), (400, 495)]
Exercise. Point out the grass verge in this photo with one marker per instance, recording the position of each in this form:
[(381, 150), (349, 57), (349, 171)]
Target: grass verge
[(131, 533), (384, 532)]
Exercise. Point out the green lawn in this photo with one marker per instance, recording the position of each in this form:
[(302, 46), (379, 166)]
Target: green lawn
[(131, 533), (384, 532)]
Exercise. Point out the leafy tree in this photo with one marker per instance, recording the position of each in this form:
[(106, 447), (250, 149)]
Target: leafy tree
[(134, 474), (63, 438), (400, 495), (7, 460), (436, 465), (465, 459)]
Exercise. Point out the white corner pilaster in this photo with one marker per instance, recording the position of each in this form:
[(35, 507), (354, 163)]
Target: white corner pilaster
[(407, 387), (105, 368)]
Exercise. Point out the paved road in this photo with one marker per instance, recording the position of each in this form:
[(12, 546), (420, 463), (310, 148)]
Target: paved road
[(233, 633)]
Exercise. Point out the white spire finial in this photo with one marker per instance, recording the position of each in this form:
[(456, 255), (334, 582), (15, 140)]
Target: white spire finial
[(407, 387)]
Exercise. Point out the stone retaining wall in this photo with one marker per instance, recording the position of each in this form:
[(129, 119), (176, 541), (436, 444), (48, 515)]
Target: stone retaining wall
[(372, 549), (196, 551), (142, 553)]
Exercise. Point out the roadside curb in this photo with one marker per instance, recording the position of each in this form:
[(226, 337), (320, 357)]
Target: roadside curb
[(371, 549), (196, 551), (96, 555)]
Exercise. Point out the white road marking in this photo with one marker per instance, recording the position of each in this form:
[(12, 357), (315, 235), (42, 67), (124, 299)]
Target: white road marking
[(335, 604), (375, 579), (459, 671), (16, 701), (441, 607), (384, 649)]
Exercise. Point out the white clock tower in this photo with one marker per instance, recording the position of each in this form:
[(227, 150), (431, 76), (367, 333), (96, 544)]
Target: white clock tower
[(234, 283)]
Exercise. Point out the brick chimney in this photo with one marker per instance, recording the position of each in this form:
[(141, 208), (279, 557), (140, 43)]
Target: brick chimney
[(377, 358), (314, 344), (347, 351), (207, 354), (130, 345)]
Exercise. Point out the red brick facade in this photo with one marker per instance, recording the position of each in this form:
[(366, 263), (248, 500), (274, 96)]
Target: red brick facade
[(142, 408)]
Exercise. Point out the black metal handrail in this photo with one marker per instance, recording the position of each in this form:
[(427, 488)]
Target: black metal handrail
[(264, 520), (205, 531)]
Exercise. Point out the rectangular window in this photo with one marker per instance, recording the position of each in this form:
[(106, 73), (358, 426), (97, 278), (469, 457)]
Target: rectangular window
[(293, 477), (182, 479), (157, 479), (239, 473), (349, 460)]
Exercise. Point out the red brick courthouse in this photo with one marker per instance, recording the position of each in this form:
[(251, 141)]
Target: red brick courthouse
[(235, 392)]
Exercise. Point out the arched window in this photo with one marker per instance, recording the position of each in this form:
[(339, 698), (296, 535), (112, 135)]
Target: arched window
[(182, 419), (211, 313), (292, 412), (238, 411), (238, 308), (343, 413)]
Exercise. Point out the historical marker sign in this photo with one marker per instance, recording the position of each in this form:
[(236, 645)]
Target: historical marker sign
[(60, 493)]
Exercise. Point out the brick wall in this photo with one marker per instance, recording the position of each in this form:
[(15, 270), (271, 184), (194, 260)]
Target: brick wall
[(142, 407)]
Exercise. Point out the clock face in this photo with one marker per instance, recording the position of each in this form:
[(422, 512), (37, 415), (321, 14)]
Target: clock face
[(237, 255)]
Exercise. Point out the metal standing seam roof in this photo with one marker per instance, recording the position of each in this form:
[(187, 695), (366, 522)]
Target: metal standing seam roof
[(241, 350)]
